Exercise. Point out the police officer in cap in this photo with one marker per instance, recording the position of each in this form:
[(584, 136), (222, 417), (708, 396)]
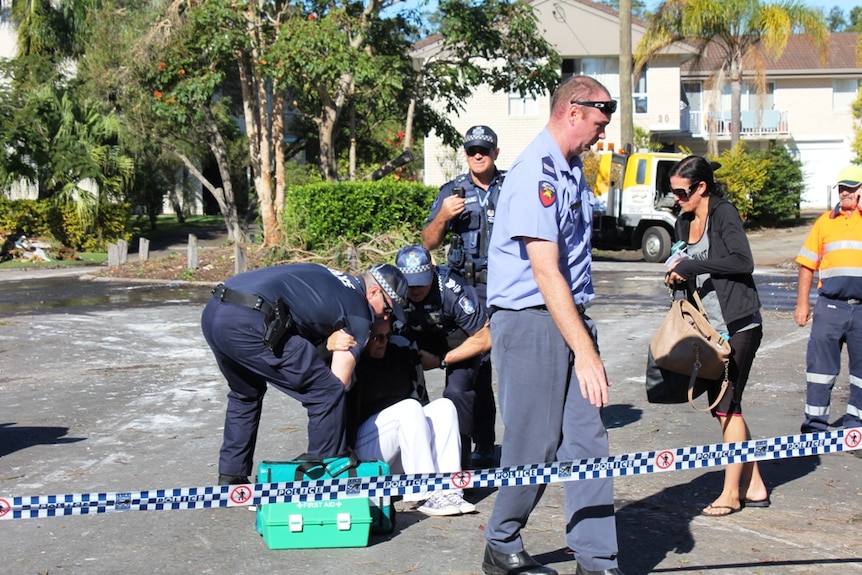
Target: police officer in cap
[(465, 208), (264, 326), (450, 325)]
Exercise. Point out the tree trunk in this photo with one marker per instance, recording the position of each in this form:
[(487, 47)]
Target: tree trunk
[(255, 109), (230, 217), (627, 131), (278, 133), (326, 129), (735, 100), (351, 168), (219, 150), (408, 126)]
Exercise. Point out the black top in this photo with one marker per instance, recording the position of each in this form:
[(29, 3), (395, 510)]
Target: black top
[(450, 305), (320, 300)]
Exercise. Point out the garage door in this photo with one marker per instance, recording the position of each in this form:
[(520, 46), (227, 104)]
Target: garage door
[(821, 162)]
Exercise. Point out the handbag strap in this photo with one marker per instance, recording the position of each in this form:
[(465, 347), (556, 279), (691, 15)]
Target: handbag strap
[(693, 291), (693, 379)]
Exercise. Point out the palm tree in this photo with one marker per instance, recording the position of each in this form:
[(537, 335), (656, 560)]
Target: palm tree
[(744, 32), (50, 28)]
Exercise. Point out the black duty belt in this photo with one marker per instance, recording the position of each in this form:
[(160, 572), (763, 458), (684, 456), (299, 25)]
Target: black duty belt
[(578, 306), (248, 300), (850, 300)]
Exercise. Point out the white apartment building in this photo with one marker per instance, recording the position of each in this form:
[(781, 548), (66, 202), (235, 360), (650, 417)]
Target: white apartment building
[(806, 107)]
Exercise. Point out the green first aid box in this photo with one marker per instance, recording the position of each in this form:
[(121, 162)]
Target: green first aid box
[(315, 524)]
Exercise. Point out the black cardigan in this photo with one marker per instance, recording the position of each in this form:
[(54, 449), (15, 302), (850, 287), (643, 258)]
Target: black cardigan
[(730, 263)]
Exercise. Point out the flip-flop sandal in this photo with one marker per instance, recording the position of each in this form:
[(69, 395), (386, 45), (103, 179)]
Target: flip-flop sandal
[(731, 510), (759, 503)]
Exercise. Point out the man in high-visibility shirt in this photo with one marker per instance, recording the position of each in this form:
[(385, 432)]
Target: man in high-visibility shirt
[(834, 248)]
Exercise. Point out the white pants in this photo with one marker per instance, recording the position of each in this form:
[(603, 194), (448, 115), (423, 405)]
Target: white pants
[(413, 439)]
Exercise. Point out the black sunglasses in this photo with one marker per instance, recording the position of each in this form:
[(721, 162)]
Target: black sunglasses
[(608, 106), (683, 193), (473, 150), (381, 337), (387, 306)]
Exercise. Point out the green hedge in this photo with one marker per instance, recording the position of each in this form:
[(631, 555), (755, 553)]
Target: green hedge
[(318, 214), (63, 225)]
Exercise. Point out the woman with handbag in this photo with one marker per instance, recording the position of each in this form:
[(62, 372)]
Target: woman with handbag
[(719, 266)]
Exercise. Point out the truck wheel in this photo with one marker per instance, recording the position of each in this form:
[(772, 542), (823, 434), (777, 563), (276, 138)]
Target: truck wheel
[(656, 244)]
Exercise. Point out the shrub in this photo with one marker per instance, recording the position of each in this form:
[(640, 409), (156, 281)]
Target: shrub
[(781, 194), (743, 174), (316, 215), (62, 223)]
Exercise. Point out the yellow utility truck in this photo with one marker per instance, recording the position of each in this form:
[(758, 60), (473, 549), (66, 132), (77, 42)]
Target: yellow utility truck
[(634, 205)]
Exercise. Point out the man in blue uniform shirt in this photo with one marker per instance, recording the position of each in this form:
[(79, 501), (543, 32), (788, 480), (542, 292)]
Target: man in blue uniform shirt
[(264, 326), (465, 208), (449, 324), (552, 382)]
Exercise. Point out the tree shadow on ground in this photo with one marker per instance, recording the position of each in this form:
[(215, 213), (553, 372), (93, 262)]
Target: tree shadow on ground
[(14, 438), (651, 529)]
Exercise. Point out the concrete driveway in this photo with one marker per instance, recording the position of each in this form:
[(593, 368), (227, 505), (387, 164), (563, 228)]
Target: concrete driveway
[(118, 396)]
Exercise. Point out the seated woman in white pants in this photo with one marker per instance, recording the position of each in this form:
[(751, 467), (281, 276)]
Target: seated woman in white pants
[(395, 427)]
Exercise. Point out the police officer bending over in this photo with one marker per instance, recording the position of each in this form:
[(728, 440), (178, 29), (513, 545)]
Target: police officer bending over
[(264, 326), (450, 325), (465, 207)]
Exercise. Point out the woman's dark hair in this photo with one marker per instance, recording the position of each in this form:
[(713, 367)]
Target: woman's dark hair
[(699, 169)]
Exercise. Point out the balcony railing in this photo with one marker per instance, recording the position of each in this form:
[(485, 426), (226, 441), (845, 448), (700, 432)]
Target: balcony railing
[(767, 123)]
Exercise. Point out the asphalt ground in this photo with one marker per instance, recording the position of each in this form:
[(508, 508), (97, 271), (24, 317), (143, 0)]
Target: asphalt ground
[(122, 395)]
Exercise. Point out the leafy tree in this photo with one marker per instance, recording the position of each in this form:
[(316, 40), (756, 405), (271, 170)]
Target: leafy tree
[(782, 190), (492, 42), (743, 174), (857, 128), (59, 141), (331, 64), (856, 18), (53, 134), (835, 19), (744, 32)]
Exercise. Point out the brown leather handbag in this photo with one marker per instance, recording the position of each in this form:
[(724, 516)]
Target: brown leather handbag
[(687, 344)]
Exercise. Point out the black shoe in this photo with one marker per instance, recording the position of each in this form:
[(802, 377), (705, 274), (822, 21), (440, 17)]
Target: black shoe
[(483, 457), (581, 571), (810, 429), (231, 479), (496, 563)]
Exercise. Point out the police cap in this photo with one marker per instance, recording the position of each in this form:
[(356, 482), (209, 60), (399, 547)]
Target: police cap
[(480, 136), (392, 281), (415, 263)]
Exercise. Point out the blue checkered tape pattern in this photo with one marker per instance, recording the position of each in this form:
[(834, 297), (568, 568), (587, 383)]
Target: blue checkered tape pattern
[(641, 463)]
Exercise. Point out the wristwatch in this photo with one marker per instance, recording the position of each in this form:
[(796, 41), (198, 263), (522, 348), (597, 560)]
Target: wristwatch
[(443, 364)]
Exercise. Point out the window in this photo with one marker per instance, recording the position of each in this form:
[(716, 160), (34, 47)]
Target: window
[(639, 94), (844, 93), (754, 100), (526, 106), (693, 92), (605, 70), (750, 99)]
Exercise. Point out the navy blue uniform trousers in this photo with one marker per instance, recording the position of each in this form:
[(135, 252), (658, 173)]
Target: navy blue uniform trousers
[(477, 417), (547, 419), (834, 323), (235, 335)]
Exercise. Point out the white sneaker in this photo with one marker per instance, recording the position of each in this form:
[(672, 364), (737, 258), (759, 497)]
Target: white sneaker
[(438, 505), (462, 504)]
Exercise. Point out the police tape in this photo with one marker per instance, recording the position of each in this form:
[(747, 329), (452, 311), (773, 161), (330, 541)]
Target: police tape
[(640, 463)]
